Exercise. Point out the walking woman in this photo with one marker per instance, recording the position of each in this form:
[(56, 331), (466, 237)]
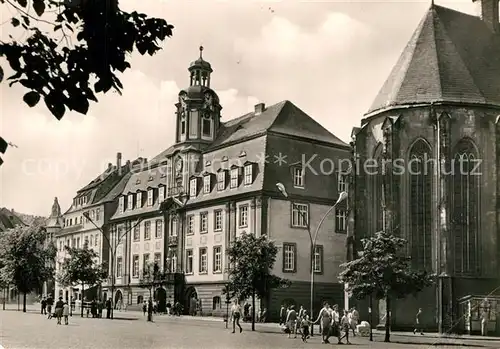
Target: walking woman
[(236, 315), (326, 320)]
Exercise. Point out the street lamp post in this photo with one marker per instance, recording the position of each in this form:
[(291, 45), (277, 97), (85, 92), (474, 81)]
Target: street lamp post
[(313, 238), (113, 252)]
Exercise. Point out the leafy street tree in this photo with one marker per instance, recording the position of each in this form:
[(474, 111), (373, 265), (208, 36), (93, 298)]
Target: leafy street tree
[(26, 259), (80, 267), (383, 271), (73, 49), (152, 277), (251, 261)]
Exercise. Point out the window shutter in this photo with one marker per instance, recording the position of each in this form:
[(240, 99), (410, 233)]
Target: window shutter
[(283, 259)]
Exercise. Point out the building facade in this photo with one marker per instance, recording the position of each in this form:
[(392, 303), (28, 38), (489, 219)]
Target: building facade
[(434, 134), (97, 199), (186, 205)]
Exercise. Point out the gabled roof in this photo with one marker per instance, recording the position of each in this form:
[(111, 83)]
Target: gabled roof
[(451, 57), (283, 117)]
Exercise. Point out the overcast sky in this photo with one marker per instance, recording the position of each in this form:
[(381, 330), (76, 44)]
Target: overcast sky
[(327, 57)]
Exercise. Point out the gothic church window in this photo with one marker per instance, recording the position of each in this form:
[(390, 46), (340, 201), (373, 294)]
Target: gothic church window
[(465, 207), (420, 175), (376, 176)]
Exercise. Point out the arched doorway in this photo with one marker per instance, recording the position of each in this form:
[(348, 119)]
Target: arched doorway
[(161, 298), (118, 299), (190, 301)]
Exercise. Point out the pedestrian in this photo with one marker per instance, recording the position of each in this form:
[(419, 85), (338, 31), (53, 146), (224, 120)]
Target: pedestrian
[(304, 326), (263, 316), (325, 316), (291, 321), (169, 306), (43, 311), (66, 313), (50, 302), (354, 320), (345, 326), (336, 323), (418, 325), (100, 307), (108, 309), (236, 315), (150, 310), (59, 310), (93, 308), (283, 314), (484, 321), (144, 308)]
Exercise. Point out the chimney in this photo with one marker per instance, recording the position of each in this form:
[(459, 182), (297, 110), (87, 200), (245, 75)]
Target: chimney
[(489, 13), (259, 108), (118, 160)]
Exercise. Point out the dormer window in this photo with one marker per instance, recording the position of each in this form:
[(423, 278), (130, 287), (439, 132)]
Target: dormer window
[(207, 184), (234, 177), (193, 187), (248, 173), (150, 178), (138, 181), (221, 180), (161, 193), (138, 202), (130, 202), (298, 177), (150, 197), (121, 201)]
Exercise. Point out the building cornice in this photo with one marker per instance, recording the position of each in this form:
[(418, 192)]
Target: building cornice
[(308, 140)]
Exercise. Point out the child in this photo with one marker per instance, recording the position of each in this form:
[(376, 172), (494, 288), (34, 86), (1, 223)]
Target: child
[(66, 313), (345, 325), (304, 325)]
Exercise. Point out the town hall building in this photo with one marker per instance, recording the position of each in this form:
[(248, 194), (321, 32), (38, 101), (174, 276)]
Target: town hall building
[(438, 113)]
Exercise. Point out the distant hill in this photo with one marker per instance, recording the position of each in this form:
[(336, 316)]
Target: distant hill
[(10, 219)]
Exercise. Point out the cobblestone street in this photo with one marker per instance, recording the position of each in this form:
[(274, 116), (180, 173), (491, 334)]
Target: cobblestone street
[(130, 330)]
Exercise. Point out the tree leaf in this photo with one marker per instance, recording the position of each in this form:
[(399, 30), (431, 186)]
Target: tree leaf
[(1, 73), (23, 3), (31, 98), (39, 6), (55, 105), (15, 22)]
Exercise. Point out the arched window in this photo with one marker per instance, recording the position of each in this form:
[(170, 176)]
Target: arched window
[(140, 299), (465, 207), (420, 175), (375, 173), (216, 303)]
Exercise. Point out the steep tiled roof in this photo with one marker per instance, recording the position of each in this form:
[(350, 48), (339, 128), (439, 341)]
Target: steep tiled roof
[(9, 219), (283, 117), (451, 57)]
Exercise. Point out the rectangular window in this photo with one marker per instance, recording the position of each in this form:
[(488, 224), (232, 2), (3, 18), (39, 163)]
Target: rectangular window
[(192, 187), (248, 174), (173, 262), (289, 258), (77, 242), (135, 266), (150, 197), (119, 266), (190, 225), (173, 231), (161, 193), (234, 178), (243, 216), (318, 259), (130, 202), (147, 230), (97, 214), (145, 261), (203, 222), (120, 204), (218, 220), (340, 221), (207, 184), (217, 259), (86, 241), (189, 261), (138, 202), (157, 259), (300, 215), (97, 239), (159, 228), (91, 240), (203, 260), (137, 232), (221, 180), (298, 177), (342, 183)]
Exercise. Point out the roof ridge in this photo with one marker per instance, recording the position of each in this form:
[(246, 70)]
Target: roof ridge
[(435, 17)]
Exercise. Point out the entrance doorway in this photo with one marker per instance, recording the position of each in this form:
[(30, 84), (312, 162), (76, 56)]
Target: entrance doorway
[(118, 300), (190, 301), (161, 298)]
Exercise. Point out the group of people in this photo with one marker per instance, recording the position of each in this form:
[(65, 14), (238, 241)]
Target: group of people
[(332, 323), (61, 309), (261, 315)]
